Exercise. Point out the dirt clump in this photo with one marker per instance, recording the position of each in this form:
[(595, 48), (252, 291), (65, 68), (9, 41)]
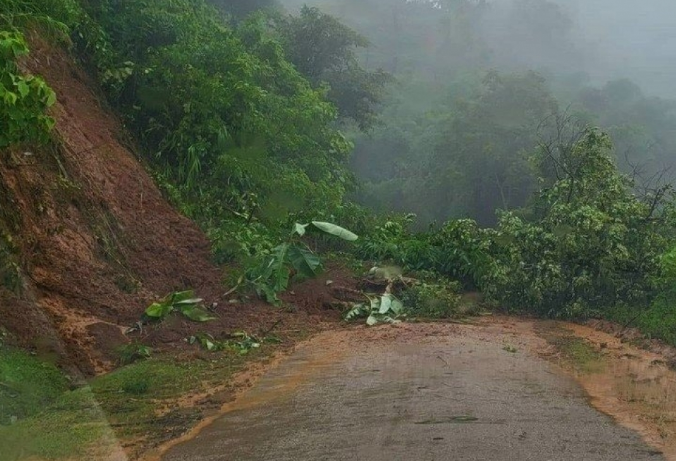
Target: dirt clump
[(329, 291)]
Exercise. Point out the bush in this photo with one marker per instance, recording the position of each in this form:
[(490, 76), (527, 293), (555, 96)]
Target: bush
[(432, 300), (459, 250), (24, 99), (591, 245)]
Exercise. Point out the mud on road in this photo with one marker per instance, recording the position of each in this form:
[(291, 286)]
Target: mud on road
[(503, 389)]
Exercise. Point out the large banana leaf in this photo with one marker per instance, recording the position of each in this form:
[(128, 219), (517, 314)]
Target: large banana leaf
[(335, 230), (305, 262)]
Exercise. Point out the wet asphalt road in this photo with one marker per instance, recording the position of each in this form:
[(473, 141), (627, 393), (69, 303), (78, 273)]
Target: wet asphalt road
[(429, 396)]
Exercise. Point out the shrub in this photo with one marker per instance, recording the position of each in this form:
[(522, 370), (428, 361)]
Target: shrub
[(432, 300), (591, 245)]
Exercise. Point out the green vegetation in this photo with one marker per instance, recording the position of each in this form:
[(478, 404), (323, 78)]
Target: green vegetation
[(253, 137), (573, 350), (589, 243), (239, 342), (27, 385), (432, 300), (293, 260), (133, 352), (53, 422), (583, 356), (38, 410), (23, 98), (379, 309), (72, 426), (253, 120), (184, 302)]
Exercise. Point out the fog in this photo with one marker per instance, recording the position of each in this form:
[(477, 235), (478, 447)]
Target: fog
[(605, 39), (629, 39), (476, 79)]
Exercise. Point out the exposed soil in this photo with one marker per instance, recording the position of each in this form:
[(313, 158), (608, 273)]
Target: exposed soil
[(632, 384), (97, 241), (635, 337)]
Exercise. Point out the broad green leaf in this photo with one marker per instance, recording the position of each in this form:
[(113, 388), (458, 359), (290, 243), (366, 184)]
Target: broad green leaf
[(192, 301), (335, 230), (10, 98), (300, 229), (279, 271), (179, 296), (375, 303), (397, 307), (208, 344), (269, 293), (304, 261), (372, 320), (355, 312), (196, 314), (51, 98), (159, 310), (385, 304), (23, 89), (280, 279)]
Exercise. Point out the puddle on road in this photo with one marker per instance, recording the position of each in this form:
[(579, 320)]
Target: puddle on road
[(634, 386)]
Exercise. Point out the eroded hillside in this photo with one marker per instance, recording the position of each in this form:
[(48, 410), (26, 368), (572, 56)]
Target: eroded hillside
[(90, 233)]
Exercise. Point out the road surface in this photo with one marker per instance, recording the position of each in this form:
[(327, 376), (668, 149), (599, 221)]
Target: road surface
[(416, 392)]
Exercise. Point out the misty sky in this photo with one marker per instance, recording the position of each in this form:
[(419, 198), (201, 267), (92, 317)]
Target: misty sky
[(630, 38), (633, 39)]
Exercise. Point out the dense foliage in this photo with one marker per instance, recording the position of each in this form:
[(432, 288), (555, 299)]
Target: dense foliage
[(24, 99), (587, 245), (325, 51), (242, 135), (590, 244), (245, 118)]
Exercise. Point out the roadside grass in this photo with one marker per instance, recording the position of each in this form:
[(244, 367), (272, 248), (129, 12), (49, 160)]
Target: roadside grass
[(656, 322), (71, 427), (581, 354), (27, 384), (574, 352), (138, 405)]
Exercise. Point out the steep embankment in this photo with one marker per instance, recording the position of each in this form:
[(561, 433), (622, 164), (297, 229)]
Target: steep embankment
[(93, 237)]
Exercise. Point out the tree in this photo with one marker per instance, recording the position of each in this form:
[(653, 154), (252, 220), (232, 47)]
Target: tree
[(324, 50), (242, 141), (479, 162), (239, 9), (589, 245)]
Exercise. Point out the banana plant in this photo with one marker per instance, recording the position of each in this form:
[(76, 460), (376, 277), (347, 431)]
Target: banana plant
[(293, 260), (383, 309)]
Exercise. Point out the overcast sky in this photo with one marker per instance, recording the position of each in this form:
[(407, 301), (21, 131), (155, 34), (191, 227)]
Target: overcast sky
[(631, 38)]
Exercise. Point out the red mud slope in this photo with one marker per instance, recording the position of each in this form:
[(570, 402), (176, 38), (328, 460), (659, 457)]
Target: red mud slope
[(96, 239)]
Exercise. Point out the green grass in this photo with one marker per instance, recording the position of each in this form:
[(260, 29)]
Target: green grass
[(27, 385), (70, 428), (581, 354), (658, 321), (574, 351), (432, 301), (134, 402)]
